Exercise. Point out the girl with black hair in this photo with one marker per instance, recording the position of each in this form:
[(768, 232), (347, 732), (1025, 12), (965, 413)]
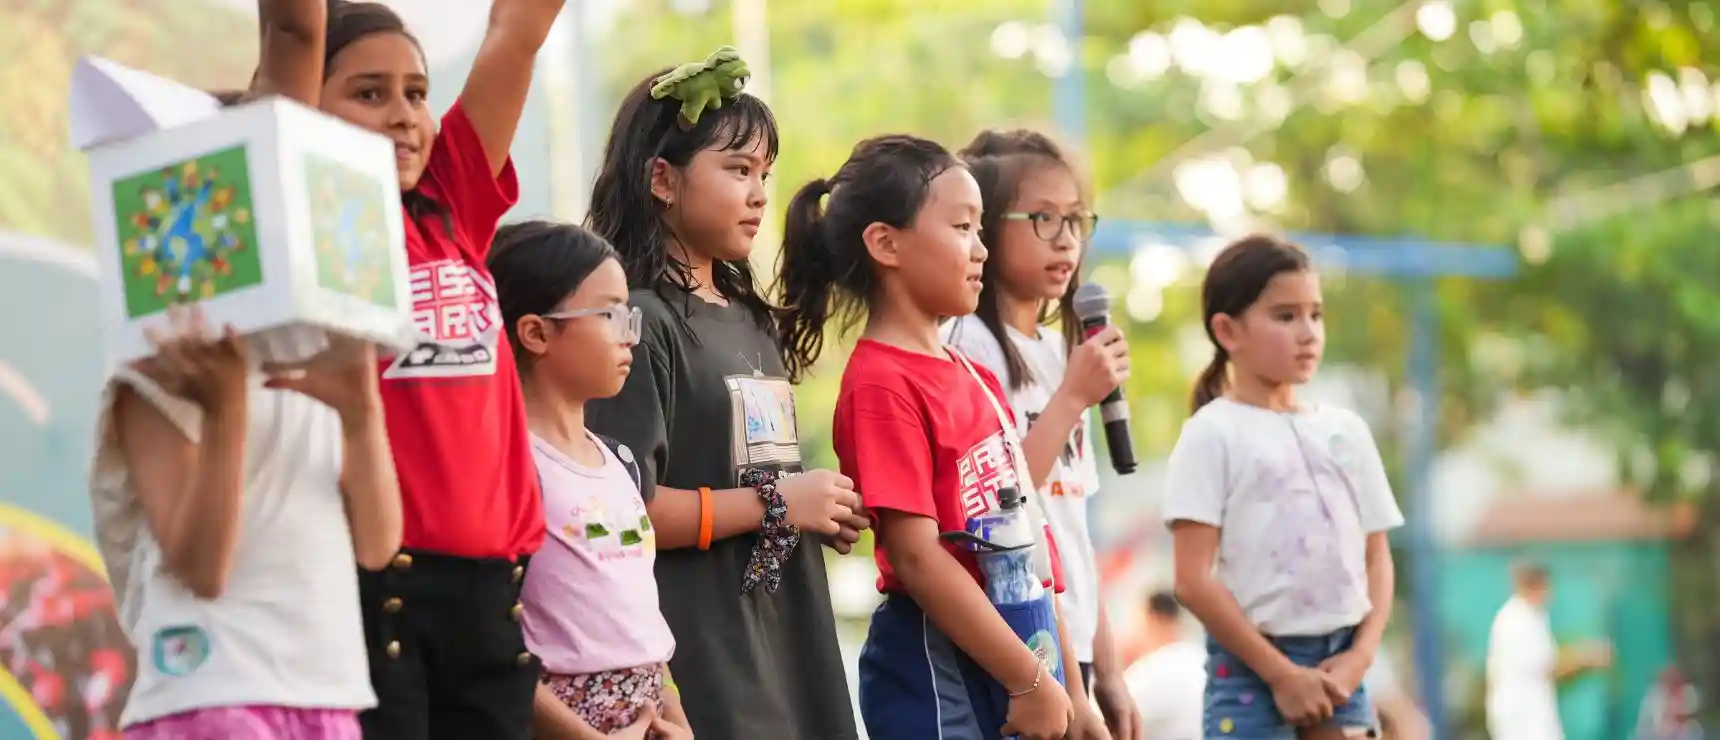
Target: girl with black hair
[(709, 409), (1036, 224), (894, 238), (590, 598), (232, 507), (447, 656)]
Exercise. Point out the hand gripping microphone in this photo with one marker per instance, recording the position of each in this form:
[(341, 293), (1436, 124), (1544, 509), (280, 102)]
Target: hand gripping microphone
[(1093, 305)]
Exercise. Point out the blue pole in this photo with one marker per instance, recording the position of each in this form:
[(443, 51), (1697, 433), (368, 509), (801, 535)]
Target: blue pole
[(1069, 93), (1424, 550)]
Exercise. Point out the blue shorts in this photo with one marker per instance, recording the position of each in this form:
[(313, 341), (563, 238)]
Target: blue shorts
[(1239, 703), (915, 684)]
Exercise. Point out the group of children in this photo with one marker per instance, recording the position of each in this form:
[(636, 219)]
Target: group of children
[(590, 470)]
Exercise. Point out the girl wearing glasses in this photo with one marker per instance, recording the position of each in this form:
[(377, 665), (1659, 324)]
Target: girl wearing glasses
[(1035, 225), (590, 598)]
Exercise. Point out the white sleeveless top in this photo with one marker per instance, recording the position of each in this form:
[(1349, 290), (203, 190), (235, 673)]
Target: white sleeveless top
[(287, 630)]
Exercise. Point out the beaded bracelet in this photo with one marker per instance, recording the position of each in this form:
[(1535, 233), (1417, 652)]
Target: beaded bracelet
[(777, 538), (1035, 687)]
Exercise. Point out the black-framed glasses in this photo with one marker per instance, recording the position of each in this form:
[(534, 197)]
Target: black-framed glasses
[(624, 321), (1051, 226)]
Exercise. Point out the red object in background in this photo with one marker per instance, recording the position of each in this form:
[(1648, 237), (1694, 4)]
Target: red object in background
[(60, 638)]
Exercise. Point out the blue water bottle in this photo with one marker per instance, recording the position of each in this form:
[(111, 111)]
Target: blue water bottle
[(1008, 564)]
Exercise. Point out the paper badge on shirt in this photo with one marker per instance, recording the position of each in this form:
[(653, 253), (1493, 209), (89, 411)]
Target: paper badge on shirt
[(762, 412), (985, 469), (458, 321)]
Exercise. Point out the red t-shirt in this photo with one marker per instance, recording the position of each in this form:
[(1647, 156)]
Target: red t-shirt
[(917, 435), (456, 418)]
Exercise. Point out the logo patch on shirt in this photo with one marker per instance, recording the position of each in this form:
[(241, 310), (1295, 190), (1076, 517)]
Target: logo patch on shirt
[(458, 322), (177, 651), (1341, 450), (984, 470)]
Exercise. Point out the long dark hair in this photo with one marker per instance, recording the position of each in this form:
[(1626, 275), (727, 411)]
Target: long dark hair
[(1235, 280), (1000, 160), (538, 264), (624, 211), (825, 270)]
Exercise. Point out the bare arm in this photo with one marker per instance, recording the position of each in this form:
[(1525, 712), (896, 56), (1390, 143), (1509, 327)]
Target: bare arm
[(1195, 545), (675, 514), (1382, 583), (950, 598), (1072, 682), (1049, 435), (552, 720), (370, 487), (495, 93), (290, 49), (191, 493), (1105, 664), (672, 709)]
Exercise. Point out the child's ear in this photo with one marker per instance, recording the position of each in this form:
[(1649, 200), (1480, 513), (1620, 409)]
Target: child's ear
[(665, 181), (1228, 331), (533, 334), (882, 244)]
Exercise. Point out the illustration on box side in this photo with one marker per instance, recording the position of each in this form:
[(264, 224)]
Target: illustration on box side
[(185, 232), (349, 225)]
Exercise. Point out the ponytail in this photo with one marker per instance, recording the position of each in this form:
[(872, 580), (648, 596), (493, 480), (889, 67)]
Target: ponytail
[(1213, 380), (807, 276)]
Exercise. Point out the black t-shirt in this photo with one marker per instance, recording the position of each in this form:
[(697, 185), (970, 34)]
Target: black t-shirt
[(756, 667)]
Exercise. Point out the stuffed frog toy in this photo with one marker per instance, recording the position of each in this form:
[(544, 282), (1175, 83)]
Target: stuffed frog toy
[(701, 85)]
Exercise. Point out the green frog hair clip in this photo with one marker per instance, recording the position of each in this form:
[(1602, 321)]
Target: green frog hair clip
[(701, 85)]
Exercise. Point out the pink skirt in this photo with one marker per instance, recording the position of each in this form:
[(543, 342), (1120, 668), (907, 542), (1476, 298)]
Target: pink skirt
[(610, 700), (251, 723)]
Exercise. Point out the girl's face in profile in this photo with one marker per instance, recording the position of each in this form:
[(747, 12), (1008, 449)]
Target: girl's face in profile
[(940, 258), (716, 203), (1031, 267), (585, 345), (1282, 336), (379, 82)]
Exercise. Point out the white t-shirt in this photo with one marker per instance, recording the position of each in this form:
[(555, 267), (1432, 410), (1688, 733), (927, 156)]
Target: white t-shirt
[(1294, 496), (287, 630), (1522, 703), (1169, 687), (1075, 475)]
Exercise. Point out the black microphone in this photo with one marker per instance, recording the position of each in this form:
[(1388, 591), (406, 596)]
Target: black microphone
[(1093, 305)]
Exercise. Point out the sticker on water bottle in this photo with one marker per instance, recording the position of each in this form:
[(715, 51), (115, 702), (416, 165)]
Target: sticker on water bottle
[(1044, 645)]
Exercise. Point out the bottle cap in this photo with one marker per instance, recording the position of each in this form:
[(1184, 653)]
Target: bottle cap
[(1009, 497)]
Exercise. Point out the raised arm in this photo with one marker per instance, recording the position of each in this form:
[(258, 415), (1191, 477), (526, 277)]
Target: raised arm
[(495, 92), (290, 49)]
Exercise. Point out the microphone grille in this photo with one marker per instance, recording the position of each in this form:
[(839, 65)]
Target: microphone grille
[(1091, 300)]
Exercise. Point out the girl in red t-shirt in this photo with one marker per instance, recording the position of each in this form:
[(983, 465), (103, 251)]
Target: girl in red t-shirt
[(447, 657), (893, 238)]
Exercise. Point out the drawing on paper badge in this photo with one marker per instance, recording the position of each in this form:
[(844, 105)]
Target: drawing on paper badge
[(349, 225), (185, 232)]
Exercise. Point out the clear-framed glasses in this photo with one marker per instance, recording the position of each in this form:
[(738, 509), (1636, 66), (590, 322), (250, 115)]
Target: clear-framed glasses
[(624, 320), (1051, 226)]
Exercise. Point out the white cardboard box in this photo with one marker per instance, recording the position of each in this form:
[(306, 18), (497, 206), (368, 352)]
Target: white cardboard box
[(274, 218)]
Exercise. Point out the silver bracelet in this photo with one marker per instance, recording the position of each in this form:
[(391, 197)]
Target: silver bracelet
[(1037, 676)]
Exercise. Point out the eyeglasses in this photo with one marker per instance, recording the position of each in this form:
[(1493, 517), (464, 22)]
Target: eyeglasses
[(1051, 226), (625, 321)]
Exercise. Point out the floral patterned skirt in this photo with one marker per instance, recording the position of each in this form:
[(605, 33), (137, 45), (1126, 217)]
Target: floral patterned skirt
[(610, 700)]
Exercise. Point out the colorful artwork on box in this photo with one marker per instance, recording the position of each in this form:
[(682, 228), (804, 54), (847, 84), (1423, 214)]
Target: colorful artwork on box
[(186, 232), (349, 224)]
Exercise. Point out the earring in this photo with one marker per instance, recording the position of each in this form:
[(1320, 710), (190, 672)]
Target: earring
[(668, 202)]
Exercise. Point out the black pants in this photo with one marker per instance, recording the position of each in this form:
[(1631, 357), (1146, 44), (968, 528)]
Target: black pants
[(447, 659)]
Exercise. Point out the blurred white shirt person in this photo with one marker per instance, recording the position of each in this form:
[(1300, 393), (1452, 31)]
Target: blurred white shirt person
[(1169, 682), (1524, 667)]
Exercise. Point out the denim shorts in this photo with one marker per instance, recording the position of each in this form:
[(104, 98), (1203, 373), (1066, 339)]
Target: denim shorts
[(1239, 703)]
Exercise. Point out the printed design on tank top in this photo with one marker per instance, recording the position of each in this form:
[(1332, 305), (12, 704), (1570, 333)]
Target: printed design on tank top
[(609, 533), (1307, 538), (762, 411), (177, 651), (458, 321), (1070, 460), (985, 469)]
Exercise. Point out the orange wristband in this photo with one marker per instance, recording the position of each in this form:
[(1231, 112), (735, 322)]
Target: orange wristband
[(705, 515)]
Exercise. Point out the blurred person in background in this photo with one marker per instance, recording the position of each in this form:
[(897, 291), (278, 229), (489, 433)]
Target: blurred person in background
[(1400, 714), (1669, 709), (1524, 664), (1168, 683)]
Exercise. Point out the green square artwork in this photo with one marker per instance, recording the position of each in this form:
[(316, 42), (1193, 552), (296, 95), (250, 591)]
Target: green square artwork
[(185, 232), (349, 225)]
